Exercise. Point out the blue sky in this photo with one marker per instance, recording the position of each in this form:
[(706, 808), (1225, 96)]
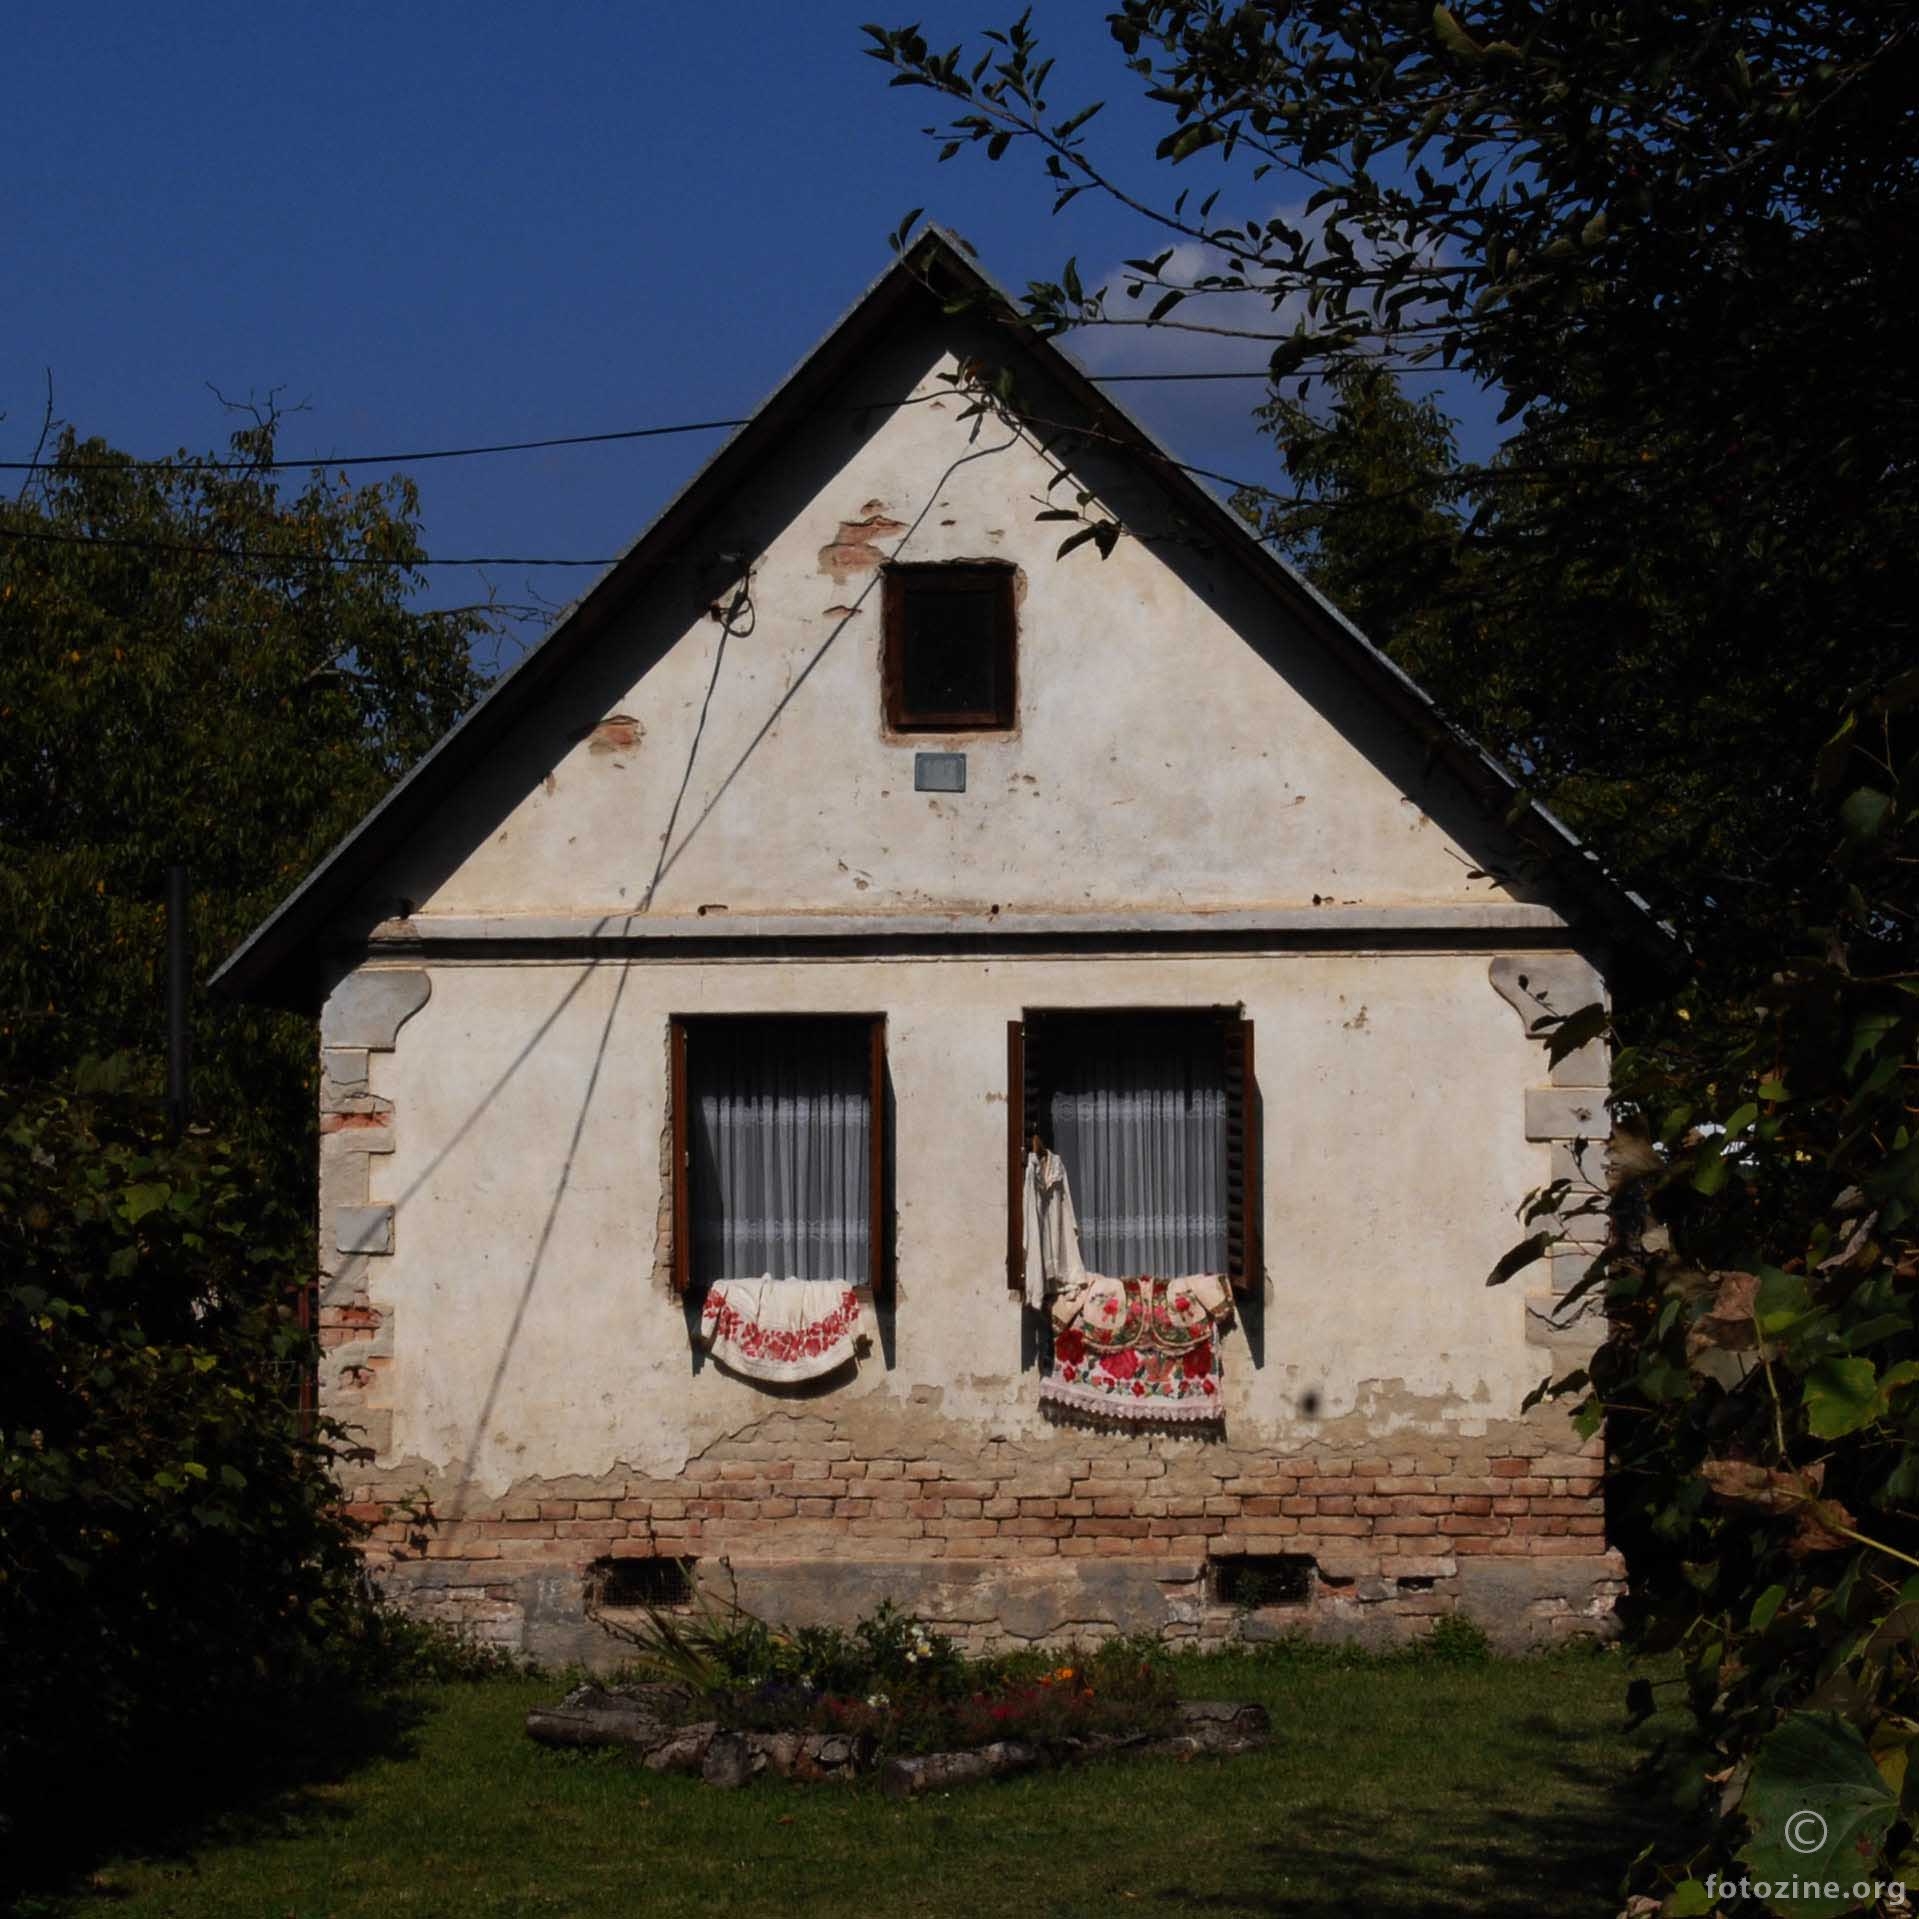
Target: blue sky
[(436, 225)]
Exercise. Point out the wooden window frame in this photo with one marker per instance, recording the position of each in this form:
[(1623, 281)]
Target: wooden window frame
[(1025, 1045), (680, 1029), (968, 576)]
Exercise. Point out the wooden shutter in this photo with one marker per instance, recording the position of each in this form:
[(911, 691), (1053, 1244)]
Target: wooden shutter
[(1243, 1263), (1016, 1155), (880, 1237), (681, 1149)]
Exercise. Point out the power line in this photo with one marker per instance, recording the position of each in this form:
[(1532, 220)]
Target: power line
[(1255, 373), (420, 455), (363, 459), (270, 557), (267, 556)]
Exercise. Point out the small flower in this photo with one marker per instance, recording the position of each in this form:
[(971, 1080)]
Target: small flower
[(877, 1699), (912, 1659)]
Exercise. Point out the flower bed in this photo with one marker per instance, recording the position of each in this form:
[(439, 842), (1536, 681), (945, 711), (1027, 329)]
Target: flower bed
[(727, 1695)]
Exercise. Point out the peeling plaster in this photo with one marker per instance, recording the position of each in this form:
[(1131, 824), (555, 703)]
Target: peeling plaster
[(854, 548)]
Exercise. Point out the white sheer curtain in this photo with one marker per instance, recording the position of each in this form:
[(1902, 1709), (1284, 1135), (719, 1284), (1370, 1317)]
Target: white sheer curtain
[(1138, 1113), (781, 1158)]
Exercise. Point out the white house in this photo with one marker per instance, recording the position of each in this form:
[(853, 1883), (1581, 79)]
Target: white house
[(691, 1017)]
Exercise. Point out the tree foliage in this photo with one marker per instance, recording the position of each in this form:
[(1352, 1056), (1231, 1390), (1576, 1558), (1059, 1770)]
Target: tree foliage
[(1670, 239), (169, 1542), (194, 667), (1678, 602), (1760, 1378)]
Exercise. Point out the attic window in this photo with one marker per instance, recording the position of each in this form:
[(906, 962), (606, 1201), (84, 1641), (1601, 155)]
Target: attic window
[(949, 650)]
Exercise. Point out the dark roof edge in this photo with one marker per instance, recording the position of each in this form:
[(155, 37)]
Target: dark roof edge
[(1627, 913), (276, 963)]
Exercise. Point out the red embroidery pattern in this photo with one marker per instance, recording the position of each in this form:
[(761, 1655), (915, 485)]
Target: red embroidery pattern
[(1139, 1379), (781, 1346)]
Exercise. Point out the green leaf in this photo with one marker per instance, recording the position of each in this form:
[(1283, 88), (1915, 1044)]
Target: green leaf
[(1452, 36), (1765, 1608), (1782, 1301), (1864, 811), (1688, 1900), (1841, 1395), (1819, 1809), (139, 1201), (1867, 1031), (1709, 1167), (1833, 755)]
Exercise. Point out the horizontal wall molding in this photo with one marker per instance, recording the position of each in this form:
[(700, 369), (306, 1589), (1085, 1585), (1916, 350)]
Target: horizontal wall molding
[(1474, 927)]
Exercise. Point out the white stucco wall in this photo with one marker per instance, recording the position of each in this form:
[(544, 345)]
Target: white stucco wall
[(1185, 749), (1181, 742), (534, 1338)]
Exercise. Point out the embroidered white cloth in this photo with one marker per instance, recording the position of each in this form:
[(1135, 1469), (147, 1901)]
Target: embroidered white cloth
[(1140, 1349), (780, 1329)]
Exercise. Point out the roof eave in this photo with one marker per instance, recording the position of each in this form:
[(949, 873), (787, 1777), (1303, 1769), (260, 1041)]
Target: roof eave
[(281, 962)]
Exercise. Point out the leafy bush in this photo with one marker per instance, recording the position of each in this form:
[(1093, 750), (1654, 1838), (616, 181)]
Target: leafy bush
[(1759, 1384), (392, 1648), (170, 1544)]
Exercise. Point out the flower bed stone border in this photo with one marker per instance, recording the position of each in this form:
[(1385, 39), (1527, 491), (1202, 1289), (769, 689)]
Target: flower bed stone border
[(639, 1720)]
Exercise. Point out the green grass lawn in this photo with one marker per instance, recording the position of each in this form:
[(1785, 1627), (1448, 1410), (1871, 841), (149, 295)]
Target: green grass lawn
[(1416, 1789)]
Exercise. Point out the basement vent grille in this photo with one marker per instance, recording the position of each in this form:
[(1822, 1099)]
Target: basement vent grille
[(642, 1582), (1264, 1579)]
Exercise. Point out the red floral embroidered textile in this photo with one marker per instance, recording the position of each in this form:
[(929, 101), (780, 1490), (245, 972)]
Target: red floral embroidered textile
[(780, 1329), (1140, 1349)]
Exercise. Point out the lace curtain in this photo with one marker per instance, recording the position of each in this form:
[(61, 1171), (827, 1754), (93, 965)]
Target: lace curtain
[(781, 1153), (1138, 1113)]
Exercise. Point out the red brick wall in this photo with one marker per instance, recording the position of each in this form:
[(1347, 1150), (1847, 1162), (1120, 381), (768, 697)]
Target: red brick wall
[(807, 1488)]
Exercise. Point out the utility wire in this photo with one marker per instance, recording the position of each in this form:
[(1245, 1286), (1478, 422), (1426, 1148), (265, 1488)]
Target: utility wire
[(266, 556), (420, 455), (269, 557), (364, 459)]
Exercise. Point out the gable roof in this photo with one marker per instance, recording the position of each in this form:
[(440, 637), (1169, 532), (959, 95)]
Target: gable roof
[(281, 961)]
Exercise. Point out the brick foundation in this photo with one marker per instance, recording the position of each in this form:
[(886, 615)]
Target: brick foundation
[(1068, 1534)]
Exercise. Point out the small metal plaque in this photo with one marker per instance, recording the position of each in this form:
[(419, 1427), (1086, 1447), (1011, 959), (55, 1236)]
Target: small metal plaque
[(939, 772)]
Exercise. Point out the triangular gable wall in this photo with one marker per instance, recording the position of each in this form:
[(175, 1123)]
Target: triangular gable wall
[(1198, 732)]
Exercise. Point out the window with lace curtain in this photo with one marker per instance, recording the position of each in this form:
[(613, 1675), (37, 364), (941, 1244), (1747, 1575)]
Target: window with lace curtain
[(779, 1149), (1153, 1113)]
